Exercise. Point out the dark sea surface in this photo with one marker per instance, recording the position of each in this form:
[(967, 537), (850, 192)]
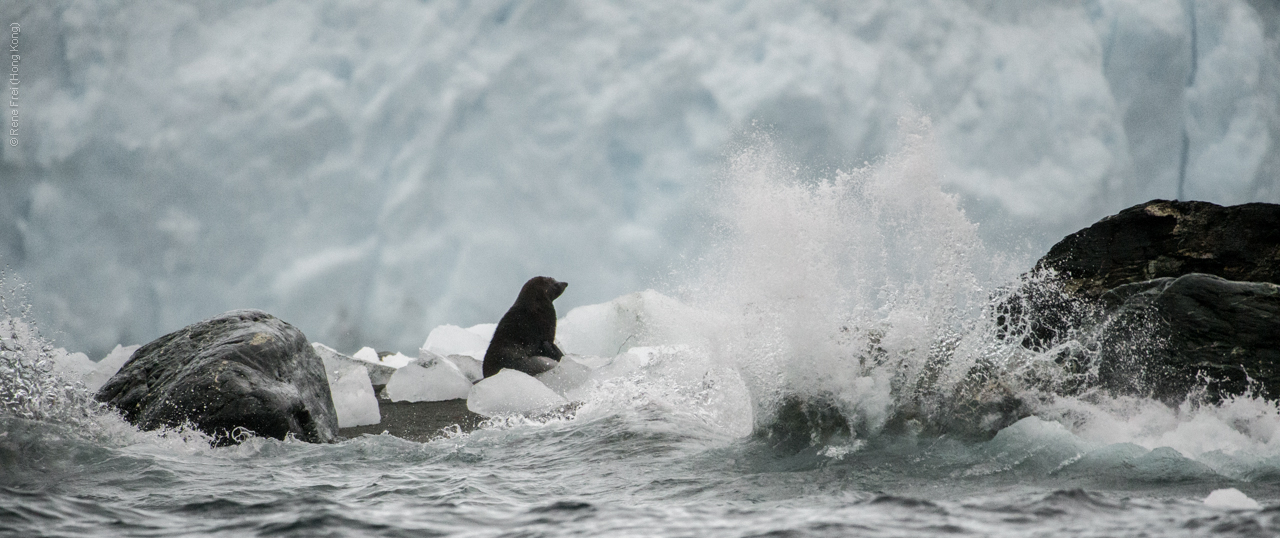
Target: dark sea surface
[(634, 468)]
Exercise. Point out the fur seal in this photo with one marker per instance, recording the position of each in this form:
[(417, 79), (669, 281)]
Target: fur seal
[(525, 337)]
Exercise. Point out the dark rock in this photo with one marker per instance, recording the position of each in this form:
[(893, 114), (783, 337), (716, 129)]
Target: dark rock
[(801, 423), (1161, 299), (1164, 238), (1158, 239), (244, 369), (1199, 331)]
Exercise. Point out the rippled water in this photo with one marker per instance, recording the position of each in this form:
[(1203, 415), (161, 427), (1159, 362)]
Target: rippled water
[(640, 473), (864, 293)]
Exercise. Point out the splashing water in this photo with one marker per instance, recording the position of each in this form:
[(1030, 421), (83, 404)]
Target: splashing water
[(29, 389), (858, 289)]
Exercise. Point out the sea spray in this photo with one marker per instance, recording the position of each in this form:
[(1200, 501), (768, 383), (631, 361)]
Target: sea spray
[(29, 387), (854, 290)]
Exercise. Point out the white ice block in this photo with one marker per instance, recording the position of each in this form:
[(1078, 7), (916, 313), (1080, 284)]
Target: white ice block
[(511, 391), (454, 340), (431, 379), (351, 388), (470, 366), (567, 376)]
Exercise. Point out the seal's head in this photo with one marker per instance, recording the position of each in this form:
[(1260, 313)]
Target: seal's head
[(541, 288)]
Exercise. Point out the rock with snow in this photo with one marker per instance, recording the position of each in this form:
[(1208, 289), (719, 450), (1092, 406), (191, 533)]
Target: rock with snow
[(430, 379), (511, 392)]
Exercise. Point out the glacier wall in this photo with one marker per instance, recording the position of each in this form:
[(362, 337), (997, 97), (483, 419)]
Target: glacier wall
[(369, 170)]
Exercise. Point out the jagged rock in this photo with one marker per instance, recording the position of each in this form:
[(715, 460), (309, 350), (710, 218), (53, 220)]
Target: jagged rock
[(243, 369)]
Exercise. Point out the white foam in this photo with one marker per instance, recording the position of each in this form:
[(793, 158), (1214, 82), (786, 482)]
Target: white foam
[(1230, 499), (72, 367), (511, 392), (684, 384), (1238, 427), (431, 379)]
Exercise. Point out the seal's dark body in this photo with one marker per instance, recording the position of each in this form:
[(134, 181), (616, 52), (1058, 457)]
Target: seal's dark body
[(525, 337)]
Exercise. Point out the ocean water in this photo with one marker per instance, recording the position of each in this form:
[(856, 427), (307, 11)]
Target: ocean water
[(863, 293)]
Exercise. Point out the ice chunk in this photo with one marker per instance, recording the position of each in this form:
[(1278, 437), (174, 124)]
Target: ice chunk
[(370, 355), (430, 379), (565, 377), (485, 330), (351, 387), (454, 340), (353, 398), (72, 367), (511, 391), (643, 318), (470, 366), (379, 372), (108, 366), (1230, 499)]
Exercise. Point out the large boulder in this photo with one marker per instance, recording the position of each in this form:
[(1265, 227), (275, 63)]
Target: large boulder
[(1164, 297), (242, 370), (1199, 331)]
